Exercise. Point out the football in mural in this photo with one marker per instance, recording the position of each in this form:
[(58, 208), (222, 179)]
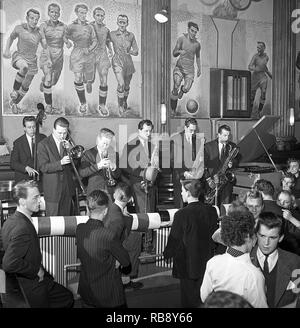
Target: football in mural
[(192, 106)]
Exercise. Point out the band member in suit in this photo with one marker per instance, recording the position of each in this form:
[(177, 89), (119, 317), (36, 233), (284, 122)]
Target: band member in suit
[(190, 244), (184, 149), (22, 159), (54, 163), (120, 223), (22, 254), (136, 157), (100, 254), (216, 153), (100, 164), (277, 265)]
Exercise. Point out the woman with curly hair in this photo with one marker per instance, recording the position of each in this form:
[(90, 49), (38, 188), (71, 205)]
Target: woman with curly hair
[(234, 271)]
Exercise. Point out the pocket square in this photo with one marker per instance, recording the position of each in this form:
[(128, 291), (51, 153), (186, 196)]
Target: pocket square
[(291, 285)]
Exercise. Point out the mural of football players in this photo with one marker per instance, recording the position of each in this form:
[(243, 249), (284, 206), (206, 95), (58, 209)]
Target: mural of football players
[(102, 54), (82, 60), (187, 48), (259, 78), (24, 59), (52, 58), (125, 46)]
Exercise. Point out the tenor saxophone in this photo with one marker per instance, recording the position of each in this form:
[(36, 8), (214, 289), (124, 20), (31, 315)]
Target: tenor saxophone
[(223, 176)]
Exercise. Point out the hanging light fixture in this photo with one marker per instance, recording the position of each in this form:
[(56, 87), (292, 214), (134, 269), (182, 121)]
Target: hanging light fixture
[(292, 117), (162, 16), (163, 114)]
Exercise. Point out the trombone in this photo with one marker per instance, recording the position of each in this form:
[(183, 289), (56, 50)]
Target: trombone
[(74, 152)]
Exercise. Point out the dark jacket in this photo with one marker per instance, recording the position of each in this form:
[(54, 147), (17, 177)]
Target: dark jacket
[(134, 160), (55, 175), (100, 282), (117, 222), (287, 263), (190, 243), (212, 162), (97, 179), (21, 245), (21, 157)]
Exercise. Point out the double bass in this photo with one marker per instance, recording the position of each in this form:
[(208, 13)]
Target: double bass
[(40, 117)]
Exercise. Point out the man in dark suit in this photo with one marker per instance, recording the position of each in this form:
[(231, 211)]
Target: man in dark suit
[(279, 267), (23, 258), (120, 223), (190, 243), (185, 147), (100, 164), (267, 191), (23, 156), (216, 152), (137, 156), (100, 254), (54, 163)]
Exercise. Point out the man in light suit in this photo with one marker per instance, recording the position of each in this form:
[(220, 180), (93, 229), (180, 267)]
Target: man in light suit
[(22, 255), (54, 163), (216, 153), (22, 156), (279, 267), (100, 164)]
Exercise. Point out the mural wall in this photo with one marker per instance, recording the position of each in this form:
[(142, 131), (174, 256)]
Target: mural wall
[(228, 34), (74, 62)]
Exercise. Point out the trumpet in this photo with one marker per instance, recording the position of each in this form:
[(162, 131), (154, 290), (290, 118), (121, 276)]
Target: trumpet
[(111, 182)]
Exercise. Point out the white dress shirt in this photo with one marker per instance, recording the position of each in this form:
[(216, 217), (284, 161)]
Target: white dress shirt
[(272, 259), (188, 139), (57, 142), (145, 145), (237, 275), (29, 139), (220, 149)]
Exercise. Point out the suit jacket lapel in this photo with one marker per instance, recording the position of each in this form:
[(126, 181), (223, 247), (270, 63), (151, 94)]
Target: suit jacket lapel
[(282, 278), (26, 145), (52, 146), (216, 152), (25, 218)]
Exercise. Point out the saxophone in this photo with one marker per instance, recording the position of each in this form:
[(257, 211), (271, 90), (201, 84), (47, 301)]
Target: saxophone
[(223, 176), (151, 171)]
